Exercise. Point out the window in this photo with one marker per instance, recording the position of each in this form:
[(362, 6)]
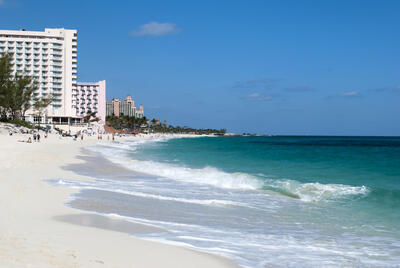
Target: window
[(37, 119)]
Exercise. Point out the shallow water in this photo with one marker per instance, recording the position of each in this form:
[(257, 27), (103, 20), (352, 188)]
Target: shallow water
[(280, 201)]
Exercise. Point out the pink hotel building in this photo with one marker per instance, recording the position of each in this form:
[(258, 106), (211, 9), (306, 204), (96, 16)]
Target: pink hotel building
[(90, 97)]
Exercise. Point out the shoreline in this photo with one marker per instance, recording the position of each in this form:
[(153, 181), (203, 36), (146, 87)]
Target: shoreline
[(31, 236)]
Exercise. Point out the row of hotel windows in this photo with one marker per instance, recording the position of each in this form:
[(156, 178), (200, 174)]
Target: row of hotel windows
[(31, 37), (83, 91), (36, 51), (28, 51), (29, 48), (37, 66), (83, 100), (35, 55), (37, 60), (28, 43), (87, 103), (55, 73), (56, 70)]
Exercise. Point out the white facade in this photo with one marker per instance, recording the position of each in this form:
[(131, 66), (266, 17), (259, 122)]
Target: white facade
[(51, 58), (91, 97)]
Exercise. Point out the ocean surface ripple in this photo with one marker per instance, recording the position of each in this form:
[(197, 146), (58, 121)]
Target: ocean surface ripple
[(263, 201)]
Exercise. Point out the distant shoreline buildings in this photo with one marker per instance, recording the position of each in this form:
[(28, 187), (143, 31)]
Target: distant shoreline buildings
[(51, 58), (116, 107)]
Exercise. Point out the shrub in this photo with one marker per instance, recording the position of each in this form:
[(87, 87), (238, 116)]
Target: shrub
[(20, 122)]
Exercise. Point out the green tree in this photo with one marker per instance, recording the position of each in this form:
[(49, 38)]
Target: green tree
[(40, 104), (16, 91), (5, 83), (20, 95), (90, 117)]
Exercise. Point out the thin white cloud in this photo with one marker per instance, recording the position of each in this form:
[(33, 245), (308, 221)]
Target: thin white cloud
[(258, 97), (156, 29), (300, 89), (386, 89), (348, 94)]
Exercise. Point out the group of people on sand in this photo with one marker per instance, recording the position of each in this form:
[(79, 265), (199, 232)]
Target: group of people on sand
[(100, 137), (35, 138)]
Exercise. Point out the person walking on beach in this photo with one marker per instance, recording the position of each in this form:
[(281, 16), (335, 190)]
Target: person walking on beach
[(38, 137), (34, 137)]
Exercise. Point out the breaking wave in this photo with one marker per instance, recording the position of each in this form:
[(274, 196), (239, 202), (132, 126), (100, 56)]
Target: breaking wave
[(308, 192)]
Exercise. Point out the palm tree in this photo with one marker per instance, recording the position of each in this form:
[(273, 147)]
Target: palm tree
[(91, 117), (40, 105)]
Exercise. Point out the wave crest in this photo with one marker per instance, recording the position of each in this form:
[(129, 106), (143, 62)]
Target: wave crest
[(308, 192), (313, 192)]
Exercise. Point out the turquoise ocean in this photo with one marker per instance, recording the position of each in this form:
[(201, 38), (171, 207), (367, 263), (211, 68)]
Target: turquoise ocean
[(262, 201)]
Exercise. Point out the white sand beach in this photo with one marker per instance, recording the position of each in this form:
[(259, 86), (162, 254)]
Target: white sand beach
[(32, 234)]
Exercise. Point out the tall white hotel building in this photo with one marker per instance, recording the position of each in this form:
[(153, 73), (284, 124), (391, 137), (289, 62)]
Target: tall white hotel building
[(51, 57)]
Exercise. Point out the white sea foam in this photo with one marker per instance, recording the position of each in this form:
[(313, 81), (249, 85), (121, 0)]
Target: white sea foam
[(249, 223), (108, 187), (308, 192), (179, 199), (207, 175), (312, 192)]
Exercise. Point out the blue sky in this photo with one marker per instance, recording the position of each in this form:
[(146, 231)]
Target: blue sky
[(275, 67)]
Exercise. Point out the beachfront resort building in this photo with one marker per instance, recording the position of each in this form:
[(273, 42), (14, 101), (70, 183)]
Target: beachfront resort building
[(126, 107), (51, 58), (91, 97)]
